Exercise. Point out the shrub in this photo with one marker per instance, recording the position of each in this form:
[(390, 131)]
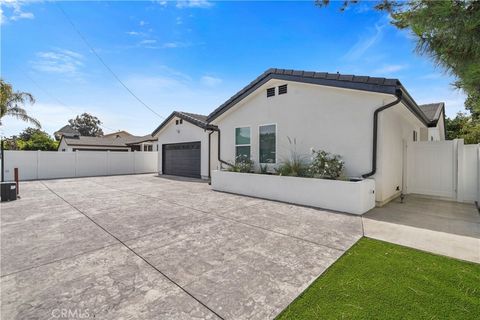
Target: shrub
[(242, 164), (294, 166), (326, 165)]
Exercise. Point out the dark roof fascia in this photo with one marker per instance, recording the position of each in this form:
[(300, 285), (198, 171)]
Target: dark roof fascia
[(414, 108), (97, 145), (379, 88), (184, 117), (140, 141)]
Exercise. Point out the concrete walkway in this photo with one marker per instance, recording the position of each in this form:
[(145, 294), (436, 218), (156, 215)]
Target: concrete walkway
[(443, 227), (144, 247)]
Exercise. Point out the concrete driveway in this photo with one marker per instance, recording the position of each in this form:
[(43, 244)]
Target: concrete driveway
[(131, 247)]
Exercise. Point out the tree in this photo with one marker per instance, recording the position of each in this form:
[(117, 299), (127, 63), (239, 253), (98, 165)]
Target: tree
[(87, 125), (463, 126), (31, 139), (12, 104), (446, 31), (27, 133)]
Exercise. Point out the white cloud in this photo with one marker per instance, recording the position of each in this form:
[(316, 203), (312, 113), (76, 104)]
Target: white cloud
[(175, 44), (194, 4), (142, 23), (366, 42), (61, 61), (210, 81), (16, 11), (134, 33), (389, 69), (148, 41), (179, 20)]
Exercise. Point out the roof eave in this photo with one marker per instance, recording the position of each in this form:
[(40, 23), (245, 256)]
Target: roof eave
[(387, 89)]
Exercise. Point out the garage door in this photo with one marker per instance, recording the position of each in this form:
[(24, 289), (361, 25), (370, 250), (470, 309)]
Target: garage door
[(181, 159)]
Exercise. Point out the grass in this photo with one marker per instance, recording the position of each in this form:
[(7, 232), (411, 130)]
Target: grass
[(378, 280)]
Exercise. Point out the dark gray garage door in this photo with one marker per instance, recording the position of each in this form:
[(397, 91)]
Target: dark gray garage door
[(181, 159)]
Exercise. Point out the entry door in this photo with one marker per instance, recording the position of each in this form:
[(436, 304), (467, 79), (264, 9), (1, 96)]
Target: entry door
[(181, 159)]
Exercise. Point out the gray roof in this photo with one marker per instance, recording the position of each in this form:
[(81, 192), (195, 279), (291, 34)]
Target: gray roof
[(106, 141), (432, 110), (137, 139), (67, 130), (196, 119), (366, 83)]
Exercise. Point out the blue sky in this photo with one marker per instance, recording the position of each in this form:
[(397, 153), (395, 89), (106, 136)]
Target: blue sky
[(192, 55)]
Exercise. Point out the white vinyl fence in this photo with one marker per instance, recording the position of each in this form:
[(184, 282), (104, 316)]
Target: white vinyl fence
[(33, 165), (447, 169)]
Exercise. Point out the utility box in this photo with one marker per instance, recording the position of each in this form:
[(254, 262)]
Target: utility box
[(8, 191)]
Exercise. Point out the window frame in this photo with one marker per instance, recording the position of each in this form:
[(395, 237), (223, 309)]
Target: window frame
[(241, 145), (276, 142)]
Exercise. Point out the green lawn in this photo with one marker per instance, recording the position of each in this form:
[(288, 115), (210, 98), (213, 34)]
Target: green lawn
[(379, 280)]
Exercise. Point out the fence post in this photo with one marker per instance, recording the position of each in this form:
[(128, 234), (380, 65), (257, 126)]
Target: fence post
[(478, 174), (107, 163), (38, 164), (460, 154), (134, 156), (76, 162)]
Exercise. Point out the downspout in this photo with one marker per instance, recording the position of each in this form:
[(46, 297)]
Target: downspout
[(375, 132), (218, 148), (209, 154)]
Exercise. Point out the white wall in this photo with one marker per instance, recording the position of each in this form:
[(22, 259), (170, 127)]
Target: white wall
[(395, 129), (344, 196), (471, 173), (437, 133), (336, 120), (431, 168), (447, 169), (50, 164), (185, 132)]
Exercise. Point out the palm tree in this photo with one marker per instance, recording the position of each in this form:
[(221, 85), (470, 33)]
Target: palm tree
[(11, 104)]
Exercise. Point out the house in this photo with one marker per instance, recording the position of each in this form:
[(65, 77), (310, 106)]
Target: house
[(66, 131), (118, 141), (365, 120), (183, 145)]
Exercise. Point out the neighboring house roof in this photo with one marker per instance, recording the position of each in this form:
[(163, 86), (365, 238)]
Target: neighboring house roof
[(107, 141), (67, 130), (95, 141), (196, 119), (433, 110), (121, 132), (365, 83), (145, 138)]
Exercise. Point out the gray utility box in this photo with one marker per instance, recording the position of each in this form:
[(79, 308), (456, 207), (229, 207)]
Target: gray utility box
[(8, 191)]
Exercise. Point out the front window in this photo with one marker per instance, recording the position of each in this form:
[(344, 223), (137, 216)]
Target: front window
[(242, 143), (267, 138)]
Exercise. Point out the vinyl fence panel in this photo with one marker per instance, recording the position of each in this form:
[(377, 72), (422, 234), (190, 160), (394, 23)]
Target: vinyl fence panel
[(34, 165)]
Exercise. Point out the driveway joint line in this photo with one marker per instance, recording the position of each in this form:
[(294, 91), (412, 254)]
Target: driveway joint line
[(138, 255), (61, 259), (237, 221)]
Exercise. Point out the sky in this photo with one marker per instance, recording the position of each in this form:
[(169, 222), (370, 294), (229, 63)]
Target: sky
[(191, 55)]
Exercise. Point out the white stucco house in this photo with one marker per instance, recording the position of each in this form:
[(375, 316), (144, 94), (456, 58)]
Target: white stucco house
[(365, 120), (183, 145)]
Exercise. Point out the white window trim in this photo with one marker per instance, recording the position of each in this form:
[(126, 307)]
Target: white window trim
[(276, 142), (241, 145)]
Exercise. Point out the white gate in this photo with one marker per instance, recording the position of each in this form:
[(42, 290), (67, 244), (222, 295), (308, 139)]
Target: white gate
[(446, 169)]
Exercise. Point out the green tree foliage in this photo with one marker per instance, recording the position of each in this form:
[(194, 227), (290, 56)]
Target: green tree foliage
[(12, 104), (463, 126), (446, 31), (31, 139), (87, 125)]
